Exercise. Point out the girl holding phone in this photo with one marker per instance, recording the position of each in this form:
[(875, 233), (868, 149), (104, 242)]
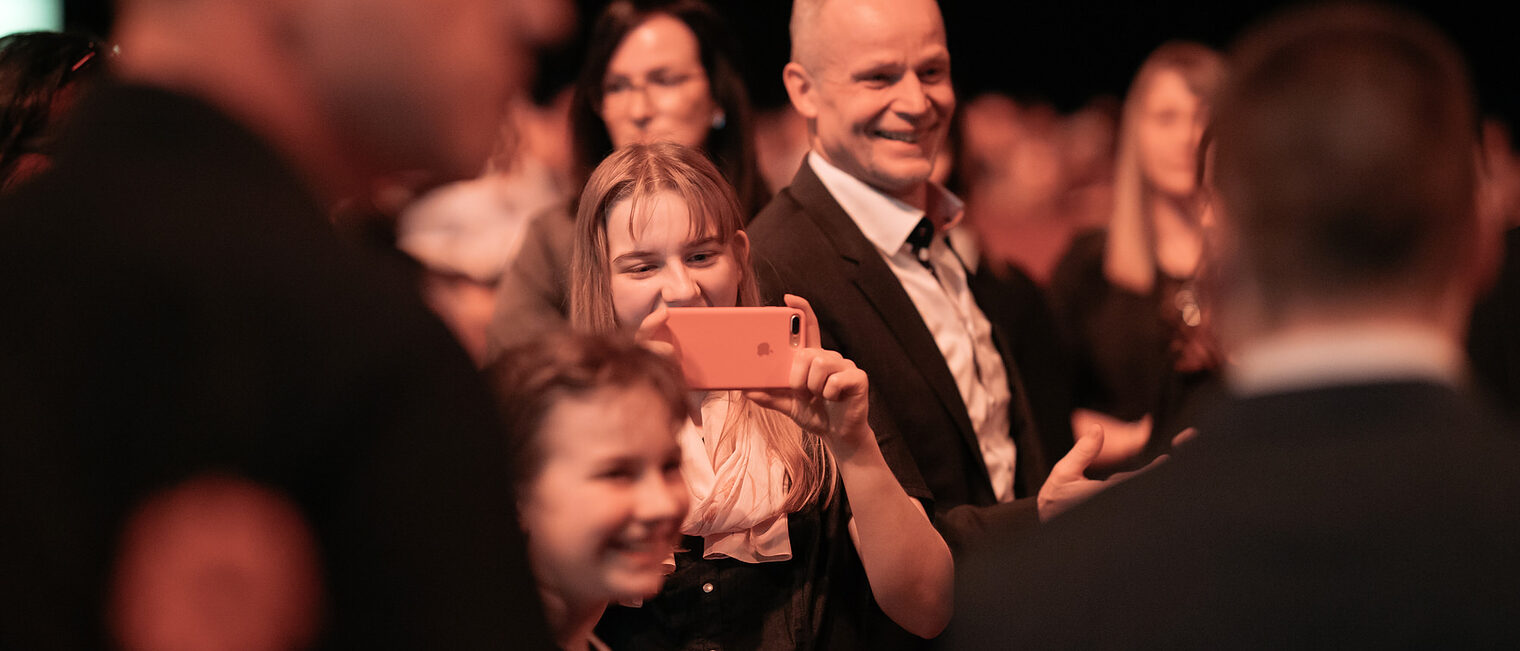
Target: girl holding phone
[(798, 529), (593, 422)]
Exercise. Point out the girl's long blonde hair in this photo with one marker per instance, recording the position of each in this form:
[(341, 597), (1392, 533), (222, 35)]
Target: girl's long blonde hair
[(1130, 254), (638, 173)]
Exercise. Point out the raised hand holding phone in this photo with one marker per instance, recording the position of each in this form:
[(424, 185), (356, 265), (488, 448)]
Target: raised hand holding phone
[(908, 563), (826, 394)]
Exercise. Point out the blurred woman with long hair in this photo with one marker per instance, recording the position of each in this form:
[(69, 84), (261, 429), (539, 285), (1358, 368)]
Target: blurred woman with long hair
[(1126, 296)]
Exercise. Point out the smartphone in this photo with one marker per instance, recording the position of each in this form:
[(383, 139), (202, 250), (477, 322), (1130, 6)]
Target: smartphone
[(735, 347)]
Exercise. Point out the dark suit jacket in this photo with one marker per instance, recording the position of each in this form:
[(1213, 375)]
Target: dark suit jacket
[(804, 243), (175, 303), (1493, 340), (1374, 516)]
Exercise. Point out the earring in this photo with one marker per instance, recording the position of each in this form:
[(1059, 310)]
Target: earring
[(719, 120)]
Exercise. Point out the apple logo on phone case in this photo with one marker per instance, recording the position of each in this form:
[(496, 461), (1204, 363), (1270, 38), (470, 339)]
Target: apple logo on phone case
[(763, 349)]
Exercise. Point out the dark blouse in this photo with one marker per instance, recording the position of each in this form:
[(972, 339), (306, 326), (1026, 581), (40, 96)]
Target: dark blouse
[(820, 599), (1129, 348)]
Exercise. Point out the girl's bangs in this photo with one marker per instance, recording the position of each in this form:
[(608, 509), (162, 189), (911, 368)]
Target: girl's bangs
[(708, 213)]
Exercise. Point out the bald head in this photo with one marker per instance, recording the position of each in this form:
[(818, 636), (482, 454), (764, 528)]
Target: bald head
[(804, 30), (817, 23), (872, 77)]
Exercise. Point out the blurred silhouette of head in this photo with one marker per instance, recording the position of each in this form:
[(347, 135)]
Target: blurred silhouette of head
[(41, 75), (1344, 169), (350, 90), (217, 563)]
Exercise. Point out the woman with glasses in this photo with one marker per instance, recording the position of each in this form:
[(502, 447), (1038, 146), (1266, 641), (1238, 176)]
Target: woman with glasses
[(655, 71)]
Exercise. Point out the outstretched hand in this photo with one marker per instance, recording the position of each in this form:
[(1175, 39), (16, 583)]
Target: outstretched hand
[(1068, 484), (827, 394)]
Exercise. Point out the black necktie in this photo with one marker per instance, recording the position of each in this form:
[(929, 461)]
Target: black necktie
[(919, 239)]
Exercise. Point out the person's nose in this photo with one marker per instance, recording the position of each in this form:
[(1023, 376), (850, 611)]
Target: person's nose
[(640, 107), (661, 499), (912, 98), (679, 289)]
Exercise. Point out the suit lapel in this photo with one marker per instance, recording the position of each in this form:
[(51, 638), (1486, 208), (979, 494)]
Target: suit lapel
[(870, 274)]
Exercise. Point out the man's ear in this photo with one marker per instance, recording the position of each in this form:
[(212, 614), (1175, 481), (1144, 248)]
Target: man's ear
[(801, 88)]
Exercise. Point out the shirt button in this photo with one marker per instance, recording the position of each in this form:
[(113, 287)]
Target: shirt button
[(707, 587)]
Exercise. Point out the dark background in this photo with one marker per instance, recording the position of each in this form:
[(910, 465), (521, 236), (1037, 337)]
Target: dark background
[(1064, 52)]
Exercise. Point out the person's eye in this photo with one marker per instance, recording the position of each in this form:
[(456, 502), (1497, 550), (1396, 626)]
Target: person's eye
[(668, 79), (638, 270), (671, 466), (702, 258), (616, 86), (933, 74), (622, 473)]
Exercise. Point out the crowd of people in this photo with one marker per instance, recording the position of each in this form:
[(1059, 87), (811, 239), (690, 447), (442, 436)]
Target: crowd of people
[(312, 343)]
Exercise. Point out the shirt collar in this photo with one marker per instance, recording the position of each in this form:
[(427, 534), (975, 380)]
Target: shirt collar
[(885, 221), (1359, 355)]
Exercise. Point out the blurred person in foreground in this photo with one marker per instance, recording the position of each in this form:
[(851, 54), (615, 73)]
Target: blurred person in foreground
[(176, 302), (1126, 296), (463, 234), (42, 75), (657, 70), (1351, 493)]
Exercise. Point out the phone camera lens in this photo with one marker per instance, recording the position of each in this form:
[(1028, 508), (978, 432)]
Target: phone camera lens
[(796, 324)]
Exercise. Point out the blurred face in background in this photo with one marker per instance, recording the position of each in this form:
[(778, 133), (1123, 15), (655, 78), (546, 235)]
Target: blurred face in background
[(656, 89), (1168, 124), (878, 91), (605, 510)]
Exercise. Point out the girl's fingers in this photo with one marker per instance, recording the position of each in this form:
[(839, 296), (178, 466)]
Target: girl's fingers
[(813, 339)]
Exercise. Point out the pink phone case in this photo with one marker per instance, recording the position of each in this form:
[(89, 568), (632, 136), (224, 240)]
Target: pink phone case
[(736, 347)]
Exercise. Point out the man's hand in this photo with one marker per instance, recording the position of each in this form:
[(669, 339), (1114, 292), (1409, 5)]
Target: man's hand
[(1068, 486), (1123, 440)]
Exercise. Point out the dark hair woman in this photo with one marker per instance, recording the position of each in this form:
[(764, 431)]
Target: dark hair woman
[(660, 70), (40, 76)]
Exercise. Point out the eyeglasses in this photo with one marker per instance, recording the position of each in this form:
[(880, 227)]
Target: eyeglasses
[(658, 80)]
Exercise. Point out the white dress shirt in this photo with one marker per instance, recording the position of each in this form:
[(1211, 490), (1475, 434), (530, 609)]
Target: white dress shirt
[(944, 302)]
